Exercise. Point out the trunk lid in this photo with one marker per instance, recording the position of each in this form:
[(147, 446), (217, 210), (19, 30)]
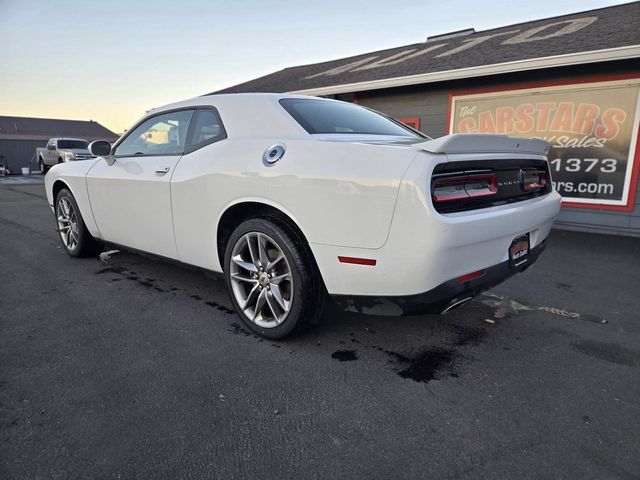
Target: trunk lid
[(472, 183), (483, 143)]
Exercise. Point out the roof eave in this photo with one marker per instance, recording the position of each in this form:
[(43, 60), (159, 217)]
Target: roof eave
[(610, 54)]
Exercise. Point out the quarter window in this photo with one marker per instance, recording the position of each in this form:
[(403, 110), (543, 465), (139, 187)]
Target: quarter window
[(163, 134), (206, 128)]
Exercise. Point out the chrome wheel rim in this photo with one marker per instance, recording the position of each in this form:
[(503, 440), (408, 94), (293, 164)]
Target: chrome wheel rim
[(67, 223), (261, 279)]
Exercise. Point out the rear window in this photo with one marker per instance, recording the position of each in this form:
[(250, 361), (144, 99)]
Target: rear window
[(79, 144), (321, 116)]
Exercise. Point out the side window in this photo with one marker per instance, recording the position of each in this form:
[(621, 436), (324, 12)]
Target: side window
[(163, 134), (206, 128)]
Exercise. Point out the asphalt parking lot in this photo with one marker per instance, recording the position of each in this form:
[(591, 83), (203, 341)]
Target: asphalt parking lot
[(135, 368)]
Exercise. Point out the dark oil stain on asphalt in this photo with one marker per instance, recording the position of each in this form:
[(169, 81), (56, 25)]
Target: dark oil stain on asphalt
[(427, 364), (344, 355), (431, 364)]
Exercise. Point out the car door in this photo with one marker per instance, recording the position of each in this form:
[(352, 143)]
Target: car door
[(131, 199), (51, 152), (198, 189)]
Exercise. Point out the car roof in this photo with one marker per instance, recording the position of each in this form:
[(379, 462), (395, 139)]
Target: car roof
[(236, 98), (246, 114)]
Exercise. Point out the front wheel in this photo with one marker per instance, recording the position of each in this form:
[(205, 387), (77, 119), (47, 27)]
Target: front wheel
[(271, 278), (75, 238)]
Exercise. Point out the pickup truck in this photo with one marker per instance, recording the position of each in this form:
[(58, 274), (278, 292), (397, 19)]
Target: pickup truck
[(60, 150)]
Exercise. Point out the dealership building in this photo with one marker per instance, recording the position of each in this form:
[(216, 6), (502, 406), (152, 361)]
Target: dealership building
[(573, 80)]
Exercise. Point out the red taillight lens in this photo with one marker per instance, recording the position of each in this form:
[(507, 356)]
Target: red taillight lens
[(470, 276), (463, 187), (534, 180)]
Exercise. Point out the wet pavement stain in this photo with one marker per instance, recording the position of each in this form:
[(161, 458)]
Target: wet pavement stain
[(151, 283), (148, 283), (109, 269), (238, 329), (609, 352), (432, 364), (222, 308), (345, 355), (564, 286)]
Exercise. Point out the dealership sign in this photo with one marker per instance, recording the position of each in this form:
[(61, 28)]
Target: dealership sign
[(592, 129)]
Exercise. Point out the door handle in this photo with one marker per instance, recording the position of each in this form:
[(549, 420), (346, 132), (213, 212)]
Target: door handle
[(162, 170)]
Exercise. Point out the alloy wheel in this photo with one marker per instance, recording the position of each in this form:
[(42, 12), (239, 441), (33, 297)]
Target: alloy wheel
[(261, 279), (67, 223)]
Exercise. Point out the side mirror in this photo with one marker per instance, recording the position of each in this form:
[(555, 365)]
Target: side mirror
[(51, 147), (102, 148)]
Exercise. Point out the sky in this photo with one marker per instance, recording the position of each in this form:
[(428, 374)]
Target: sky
[(111, 61)]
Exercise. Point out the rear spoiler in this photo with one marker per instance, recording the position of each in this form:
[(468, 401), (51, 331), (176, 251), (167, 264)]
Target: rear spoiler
[(484, 143)]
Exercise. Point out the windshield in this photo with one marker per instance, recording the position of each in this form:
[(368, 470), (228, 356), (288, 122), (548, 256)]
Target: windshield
[(79, 144), (321, 116)]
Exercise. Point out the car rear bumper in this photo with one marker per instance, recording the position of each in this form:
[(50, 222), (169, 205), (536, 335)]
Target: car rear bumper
[(425, 249), (441, 299)]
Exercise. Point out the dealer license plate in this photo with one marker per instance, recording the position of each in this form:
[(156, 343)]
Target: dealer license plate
[(519, 251)]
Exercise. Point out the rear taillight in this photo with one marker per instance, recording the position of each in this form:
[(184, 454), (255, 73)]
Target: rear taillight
[(534, 180), (464, 187)]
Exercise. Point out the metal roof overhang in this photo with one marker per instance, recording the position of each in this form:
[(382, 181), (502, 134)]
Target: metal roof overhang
[(619, 53)]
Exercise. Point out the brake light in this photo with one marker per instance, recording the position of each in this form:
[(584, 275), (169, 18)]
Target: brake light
[(463, 187), (534, 180)]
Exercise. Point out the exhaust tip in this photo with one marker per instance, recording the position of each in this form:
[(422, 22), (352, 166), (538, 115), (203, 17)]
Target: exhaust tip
[(455, 305)]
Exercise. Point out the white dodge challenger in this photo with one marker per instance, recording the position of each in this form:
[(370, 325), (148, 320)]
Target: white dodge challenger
[(296, 197)]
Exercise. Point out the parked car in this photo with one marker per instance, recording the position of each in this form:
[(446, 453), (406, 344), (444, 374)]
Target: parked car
[(296, 197), (59, 150)]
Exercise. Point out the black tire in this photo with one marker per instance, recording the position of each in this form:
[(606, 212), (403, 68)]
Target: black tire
[(43, 168), (310, 295), (86, 245)]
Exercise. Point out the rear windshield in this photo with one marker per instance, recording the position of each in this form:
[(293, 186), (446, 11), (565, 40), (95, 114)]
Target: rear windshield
[(321, 116), (79, 144)]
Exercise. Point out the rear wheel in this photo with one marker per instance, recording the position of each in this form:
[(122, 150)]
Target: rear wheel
[(271, 278), (43, 168), (75, 238)]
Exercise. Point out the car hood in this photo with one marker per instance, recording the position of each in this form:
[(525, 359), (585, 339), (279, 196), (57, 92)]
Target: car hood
[(75, 150)]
